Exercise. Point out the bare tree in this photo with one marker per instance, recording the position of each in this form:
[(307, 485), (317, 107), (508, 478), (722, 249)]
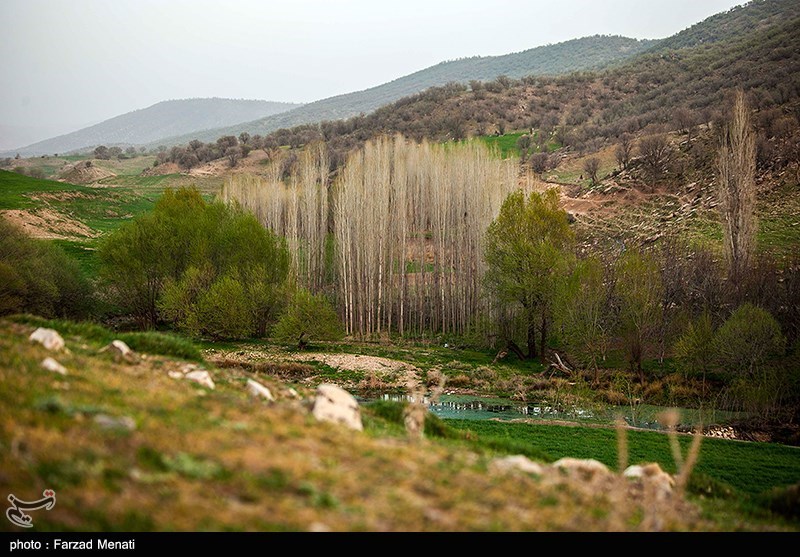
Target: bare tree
[(736, 166), (655, 152), (624, 151), (592, 166)]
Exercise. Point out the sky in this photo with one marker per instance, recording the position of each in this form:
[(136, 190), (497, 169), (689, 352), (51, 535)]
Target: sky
[(67, 64)]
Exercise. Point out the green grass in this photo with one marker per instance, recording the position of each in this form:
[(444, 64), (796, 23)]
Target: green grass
[(751, 468), (149, 342), (15, 187), (505, 144)]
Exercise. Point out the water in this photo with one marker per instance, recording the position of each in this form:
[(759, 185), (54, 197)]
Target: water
[(465, 407)]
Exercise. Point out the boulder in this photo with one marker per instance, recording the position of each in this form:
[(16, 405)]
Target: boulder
[(121, 352), (52, 365), (201, 376), (334, 404), (258, 390), (48, 338), (587, 468), (516, 462), (653, 475)]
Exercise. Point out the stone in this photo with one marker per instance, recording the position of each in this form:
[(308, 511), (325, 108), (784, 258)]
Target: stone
[(653, 475), (175, 374), (587, 467), (258, 390), (48, 338), (516, 462), (52, 365), (121, 352), (110, 422), (201, 376), (334, 404)]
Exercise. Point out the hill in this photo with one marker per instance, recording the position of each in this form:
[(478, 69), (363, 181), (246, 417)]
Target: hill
[(562, 58), (162, 120)]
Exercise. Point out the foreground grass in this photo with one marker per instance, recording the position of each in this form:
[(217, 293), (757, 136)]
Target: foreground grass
[(202, 459)]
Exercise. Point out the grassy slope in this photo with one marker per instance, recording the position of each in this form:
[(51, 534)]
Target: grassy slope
[(103, 209), (219, 460)]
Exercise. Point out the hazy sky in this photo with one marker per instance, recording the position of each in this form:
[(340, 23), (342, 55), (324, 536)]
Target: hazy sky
[(70, 63)]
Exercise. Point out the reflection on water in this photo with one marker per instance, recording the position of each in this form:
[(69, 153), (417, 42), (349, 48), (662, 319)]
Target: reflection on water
[(478, 408)]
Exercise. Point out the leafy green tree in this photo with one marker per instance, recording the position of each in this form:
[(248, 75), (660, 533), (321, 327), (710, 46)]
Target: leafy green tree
[(747, 340), (159, 264), (585, 313), (639, 294), (695, 347), (528, 251), (308, 317), (224, 311)]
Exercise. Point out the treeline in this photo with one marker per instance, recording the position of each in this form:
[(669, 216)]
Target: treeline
[(397, 239)]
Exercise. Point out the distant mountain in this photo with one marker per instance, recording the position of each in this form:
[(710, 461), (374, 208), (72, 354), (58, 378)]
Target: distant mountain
[(753, 48), (588, 53), (157, 122)]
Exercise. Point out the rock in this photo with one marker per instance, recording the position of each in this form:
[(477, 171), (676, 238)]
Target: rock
[(516, 462), (334, 404), (292, 393), (653, 475), (48, 338), (258, 390), (175, 374), (52, 365), (586, 467), (110, 422), (202, 377), (121, 352)]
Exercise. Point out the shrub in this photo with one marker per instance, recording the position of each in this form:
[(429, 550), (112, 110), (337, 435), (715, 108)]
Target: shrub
[(307, 317), (747, 340), (38, 277), (223, 311)]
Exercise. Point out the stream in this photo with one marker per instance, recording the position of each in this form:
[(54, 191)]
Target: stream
[(467, 407)]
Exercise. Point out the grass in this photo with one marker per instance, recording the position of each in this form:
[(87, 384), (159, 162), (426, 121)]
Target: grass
[(151, 342), (203, 459)]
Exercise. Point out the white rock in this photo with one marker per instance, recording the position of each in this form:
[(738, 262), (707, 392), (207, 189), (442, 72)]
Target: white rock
[(175, 374), (588, 466), (652, 474), (49, 338), (121, 351), (202, 377), (258, 390), (121, 347), (334, 404), (52, 365), (516, 462), (110, 422)]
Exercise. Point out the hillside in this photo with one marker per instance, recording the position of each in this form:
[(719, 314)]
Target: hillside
[(162, 120), (562, 58), (161, 452), (651, 93)]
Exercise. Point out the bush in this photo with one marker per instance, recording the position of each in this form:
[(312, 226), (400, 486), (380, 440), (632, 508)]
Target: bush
[(38, 277), (162, 265), (307, 318), (747, 340)]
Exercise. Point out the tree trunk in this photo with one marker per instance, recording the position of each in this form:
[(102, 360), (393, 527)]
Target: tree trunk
[(516, 350), (531, 339), (543, 351)]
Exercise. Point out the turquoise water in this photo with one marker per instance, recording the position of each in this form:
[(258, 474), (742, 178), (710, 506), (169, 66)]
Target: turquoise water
[(466, 407)]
